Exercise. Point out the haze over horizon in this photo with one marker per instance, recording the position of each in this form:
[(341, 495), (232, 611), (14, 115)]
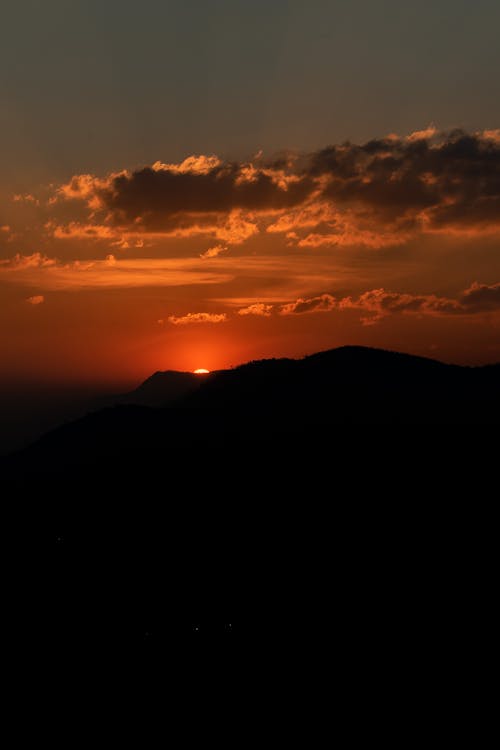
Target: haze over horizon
[(195, 185)]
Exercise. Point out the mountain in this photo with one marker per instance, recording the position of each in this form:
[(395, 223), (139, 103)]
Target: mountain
[(281, 493), (29, 411), (161, 389), (265, 403)]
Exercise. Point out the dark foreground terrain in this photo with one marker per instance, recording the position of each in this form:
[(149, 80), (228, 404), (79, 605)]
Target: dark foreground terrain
[(350, 494)]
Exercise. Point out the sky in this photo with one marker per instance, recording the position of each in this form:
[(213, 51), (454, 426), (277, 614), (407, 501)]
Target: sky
[(197, 183)]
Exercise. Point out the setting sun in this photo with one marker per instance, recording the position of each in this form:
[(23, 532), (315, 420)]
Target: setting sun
[(201, 371)]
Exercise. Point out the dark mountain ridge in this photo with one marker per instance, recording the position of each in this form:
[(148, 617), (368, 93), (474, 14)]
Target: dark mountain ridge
[(333, 489), (161, 389), (272, 401)]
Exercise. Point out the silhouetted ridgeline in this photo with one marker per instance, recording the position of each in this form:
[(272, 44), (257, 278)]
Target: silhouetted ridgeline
[(276, 490), (287, 403)]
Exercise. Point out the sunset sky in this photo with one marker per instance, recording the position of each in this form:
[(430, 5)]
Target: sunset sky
[(196, 183)]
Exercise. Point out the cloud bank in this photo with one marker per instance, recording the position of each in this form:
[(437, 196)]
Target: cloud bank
[(379, 193)]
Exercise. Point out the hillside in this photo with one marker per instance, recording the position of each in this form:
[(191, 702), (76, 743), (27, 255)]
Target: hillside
[(246, 500)]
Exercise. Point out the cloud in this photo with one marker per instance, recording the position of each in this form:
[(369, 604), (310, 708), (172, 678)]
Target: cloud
[(481, 297), (201, 317), (379, 303), (37, 299), (425, 182), (22, 262), (422, 135), (154, 197), (322, 303), (192, 165), (492, 135), (232, 228), (52, 274), (346, 236), (6, 234), (259, 308), (270, 279), (379, 193), (25, 198), (213, 252)]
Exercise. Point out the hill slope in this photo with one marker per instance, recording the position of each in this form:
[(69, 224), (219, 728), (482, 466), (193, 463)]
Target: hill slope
[(339, 488), (274, 401)]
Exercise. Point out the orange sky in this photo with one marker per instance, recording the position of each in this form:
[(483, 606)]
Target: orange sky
[(207, 262)]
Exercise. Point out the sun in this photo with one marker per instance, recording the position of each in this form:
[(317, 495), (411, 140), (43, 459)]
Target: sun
[(201, 371)]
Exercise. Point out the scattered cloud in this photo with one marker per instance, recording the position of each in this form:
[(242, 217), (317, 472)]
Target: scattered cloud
[(26, 198), (379, 303), (213, 252), (6, 233), (201, 317), (322, 303), (22, 262), (37, 299), (259, 308)]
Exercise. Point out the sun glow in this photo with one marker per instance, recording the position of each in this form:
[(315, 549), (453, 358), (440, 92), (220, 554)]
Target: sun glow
[(201, 371)]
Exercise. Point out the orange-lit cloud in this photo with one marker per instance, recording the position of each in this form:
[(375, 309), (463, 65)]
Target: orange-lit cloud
[(422, 135), (259, 308), (37, 299), (192, 165), (25, 198), (322, 303), (52, 274), (201, 317), (213, 252), (492, 135), (377, 194), (379, 303), (154, 197), (6, 234), (417, 184), (232, 228), (22, 262)]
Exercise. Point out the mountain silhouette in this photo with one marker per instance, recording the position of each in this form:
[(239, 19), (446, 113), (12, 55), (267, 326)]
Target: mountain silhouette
[(161, 389), (269, 400), (244, 496)]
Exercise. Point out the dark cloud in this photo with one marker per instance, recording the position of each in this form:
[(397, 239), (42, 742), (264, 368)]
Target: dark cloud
[(379, 193), (321, 303), (158, 197), (376, 304), (439, 180), (481, 298)]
